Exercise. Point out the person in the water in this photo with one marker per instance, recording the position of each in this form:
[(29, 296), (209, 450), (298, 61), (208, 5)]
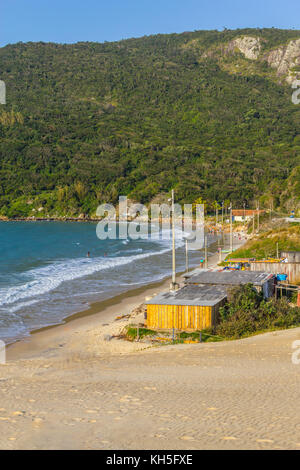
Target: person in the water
[(88, 254)]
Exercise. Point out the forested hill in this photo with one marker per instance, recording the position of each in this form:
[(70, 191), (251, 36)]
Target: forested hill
[(207, 113)]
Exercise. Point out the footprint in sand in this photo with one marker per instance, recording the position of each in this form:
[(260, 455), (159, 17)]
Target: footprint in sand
[(267, 441), (37, 421)]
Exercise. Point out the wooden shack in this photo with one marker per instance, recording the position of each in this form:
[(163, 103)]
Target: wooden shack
[(262, 281), (189, 308)]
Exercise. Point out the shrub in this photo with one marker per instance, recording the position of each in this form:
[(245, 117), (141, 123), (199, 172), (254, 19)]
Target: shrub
[(247, 313)]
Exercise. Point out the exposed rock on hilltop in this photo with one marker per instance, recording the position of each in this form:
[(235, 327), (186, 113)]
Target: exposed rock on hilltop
[(286, 59), (249, 46)]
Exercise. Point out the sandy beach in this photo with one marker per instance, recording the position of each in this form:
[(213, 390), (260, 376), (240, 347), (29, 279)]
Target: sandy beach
[(68, 388)]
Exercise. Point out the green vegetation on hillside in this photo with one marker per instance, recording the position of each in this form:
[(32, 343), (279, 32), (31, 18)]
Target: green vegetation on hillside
[(265, 245), (87, 122)]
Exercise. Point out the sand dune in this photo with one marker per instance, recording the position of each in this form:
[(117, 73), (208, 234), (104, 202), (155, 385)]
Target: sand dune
[(231, 395)]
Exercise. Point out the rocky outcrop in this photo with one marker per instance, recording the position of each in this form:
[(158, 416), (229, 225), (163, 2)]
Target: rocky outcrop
[(249, 46), (285, 58)]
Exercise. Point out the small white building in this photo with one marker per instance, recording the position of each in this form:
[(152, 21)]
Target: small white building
[(241, 215)]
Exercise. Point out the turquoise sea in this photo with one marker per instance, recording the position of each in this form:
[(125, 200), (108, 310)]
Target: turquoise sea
[(45, 274)]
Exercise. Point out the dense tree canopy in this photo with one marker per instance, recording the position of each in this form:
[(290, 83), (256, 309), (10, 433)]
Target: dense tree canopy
[(86, 122)]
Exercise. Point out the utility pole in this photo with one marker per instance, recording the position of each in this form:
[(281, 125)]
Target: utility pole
[(244, 213), (219, 251), (205, 251), (173, 284), (217, 213), (277, 250), (258, 217), (186, 256), (231, 234), (222, 212)]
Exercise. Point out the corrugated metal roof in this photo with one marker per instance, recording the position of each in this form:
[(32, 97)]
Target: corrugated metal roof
[(204, 295), (257, 278)]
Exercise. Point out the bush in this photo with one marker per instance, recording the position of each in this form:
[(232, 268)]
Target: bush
[(247, 313), (132, 333)]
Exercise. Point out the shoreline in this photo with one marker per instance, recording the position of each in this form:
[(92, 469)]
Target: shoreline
[(208, 223), (102, 310), (100, 315)]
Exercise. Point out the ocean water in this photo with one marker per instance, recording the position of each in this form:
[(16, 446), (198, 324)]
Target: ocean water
[(45, 274)]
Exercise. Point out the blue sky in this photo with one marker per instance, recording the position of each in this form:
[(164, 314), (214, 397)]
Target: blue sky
[(110, 20)]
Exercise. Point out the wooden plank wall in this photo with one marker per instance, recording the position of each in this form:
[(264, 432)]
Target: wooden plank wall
[(291, 269), (180, 317)]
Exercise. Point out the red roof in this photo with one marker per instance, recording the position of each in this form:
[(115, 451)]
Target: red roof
[(242, 212)]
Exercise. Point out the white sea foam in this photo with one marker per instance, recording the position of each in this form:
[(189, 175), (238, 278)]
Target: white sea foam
[(48, 278), (15, 308)]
